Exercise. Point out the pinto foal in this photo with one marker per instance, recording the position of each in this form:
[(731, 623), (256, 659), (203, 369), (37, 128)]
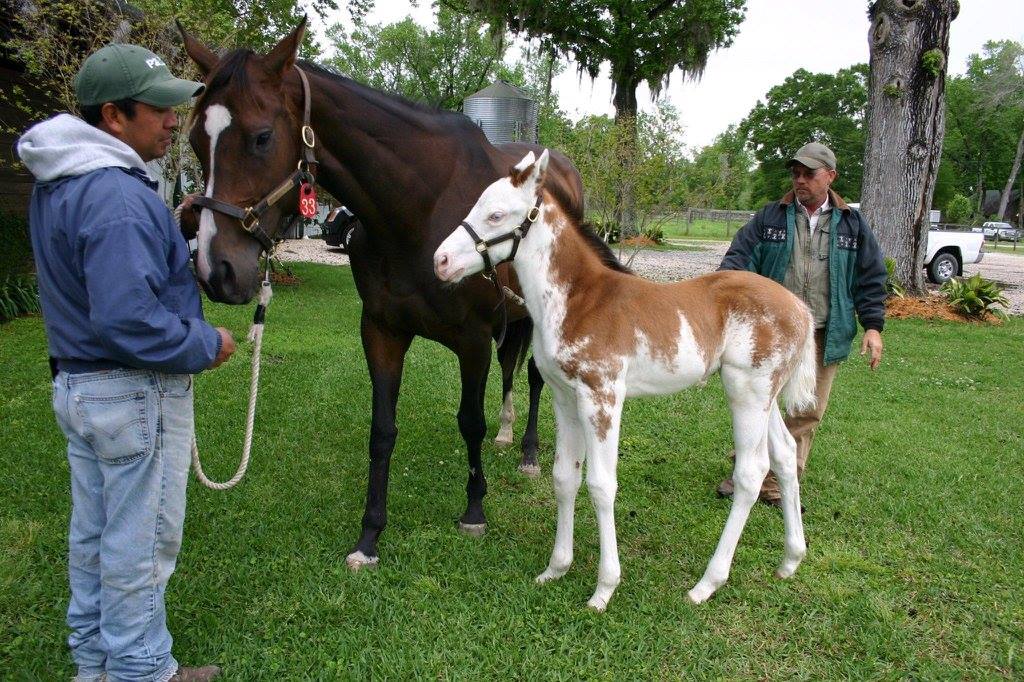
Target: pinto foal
[(602, 334)]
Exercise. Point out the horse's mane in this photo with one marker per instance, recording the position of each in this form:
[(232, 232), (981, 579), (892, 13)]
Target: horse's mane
[(397, 104), (600, 247)]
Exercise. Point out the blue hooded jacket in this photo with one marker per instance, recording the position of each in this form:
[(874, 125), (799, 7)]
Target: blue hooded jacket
[(114, 278)]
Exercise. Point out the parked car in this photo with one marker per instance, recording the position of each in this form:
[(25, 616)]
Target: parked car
[(994, 228)]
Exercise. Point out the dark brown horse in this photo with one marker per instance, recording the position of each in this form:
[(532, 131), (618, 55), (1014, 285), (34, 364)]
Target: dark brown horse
[(409, 173)]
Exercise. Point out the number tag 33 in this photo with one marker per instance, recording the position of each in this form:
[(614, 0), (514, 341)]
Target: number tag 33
[(307, 200)]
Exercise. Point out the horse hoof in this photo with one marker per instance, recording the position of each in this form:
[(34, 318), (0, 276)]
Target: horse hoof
[(530, 470), (503, 440), (357, 560), (597, 605), (699, 595), (548, 575), (475, 530), (784, 572)]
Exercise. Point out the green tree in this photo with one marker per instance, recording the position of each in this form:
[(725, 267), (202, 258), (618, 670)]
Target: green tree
[(52, 37), (654, 174), (806, 107), (999, 75), (645, 41), (439, 67), (720, 174), (958, 210)]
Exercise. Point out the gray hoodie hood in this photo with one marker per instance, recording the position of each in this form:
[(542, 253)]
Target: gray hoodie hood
[(65, 146)]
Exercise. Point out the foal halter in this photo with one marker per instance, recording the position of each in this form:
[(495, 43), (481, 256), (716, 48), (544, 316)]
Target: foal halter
[(516, 235), (249, 217), (483, 245)]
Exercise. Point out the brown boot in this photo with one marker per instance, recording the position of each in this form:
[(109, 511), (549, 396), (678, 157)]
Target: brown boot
[(207, 672)]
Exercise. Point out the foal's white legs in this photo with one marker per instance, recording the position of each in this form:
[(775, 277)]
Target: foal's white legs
[(750, 399), (602, 483), (569, 455), (782, 453)]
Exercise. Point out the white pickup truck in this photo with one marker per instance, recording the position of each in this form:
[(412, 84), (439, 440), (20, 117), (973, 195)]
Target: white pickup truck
[(949, 250)]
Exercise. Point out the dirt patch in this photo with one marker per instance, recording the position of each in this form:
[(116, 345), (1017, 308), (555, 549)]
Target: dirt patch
[(931, 308), (640, 240), (284, 278)]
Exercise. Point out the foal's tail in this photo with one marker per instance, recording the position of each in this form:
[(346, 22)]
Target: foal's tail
[(799, 391)]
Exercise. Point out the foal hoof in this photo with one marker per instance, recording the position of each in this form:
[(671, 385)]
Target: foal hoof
[(786, 569), (700, 594), (357, 560), (530, 470), (597, 605), (475, 530)]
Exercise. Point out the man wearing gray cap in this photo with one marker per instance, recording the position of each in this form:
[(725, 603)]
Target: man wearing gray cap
[(125, 330), (823, 251)]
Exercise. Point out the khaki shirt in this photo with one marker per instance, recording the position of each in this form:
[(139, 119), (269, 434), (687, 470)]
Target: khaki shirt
[(807, 274)]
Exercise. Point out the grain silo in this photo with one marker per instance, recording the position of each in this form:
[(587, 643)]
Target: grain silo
[(504, 112)]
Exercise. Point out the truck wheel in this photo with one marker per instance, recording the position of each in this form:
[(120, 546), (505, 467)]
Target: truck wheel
[(943, 267)]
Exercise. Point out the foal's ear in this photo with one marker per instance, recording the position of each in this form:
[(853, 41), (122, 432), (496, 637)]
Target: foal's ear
[(535, 174), (282, 57), (203, 56), (521, 171), (542, 167)]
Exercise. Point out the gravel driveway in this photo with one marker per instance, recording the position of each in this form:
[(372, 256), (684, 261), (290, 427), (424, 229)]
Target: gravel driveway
[(1006, 269)]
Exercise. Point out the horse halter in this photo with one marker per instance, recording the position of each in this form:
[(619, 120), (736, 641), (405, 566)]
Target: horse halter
[(483, 245), (249, 217), (516, 235)]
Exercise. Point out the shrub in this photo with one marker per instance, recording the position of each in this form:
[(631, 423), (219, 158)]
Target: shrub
[(608, 230), (892, 287), (16, 254), (958, 210), (975, 296), (19, 294), (655, 234)]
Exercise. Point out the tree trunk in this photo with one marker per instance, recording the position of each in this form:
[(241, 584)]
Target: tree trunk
[(624, 100), (909, 46), (1004, 198)]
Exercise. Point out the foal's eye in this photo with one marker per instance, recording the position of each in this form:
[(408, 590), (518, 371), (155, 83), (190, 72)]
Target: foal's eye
[(262, 139), (495, 217)]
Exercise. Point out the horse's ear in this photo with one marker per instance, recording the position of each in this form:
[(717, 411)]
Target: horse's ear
[(542, 167), (521, 171), (203, 56), (282, 57)]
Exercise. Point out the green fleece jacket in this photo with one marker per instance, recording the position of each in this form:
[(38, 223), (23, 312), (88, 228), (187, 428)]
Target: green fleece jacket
[(856, 267)]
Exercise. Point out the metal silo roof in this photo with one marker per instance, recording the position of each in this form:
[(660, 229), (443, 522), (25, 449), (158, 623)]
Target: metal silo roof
[(501, 90)]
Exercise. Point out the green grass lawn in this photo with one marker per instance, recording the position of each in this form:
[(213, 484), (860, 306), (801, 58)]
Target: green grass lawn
[(914, 522), (1006, 247), (712, 230)]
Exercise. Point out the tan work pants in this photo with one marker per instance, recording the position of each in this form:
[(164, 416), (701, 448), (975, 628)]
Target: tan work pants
[(803, 424)]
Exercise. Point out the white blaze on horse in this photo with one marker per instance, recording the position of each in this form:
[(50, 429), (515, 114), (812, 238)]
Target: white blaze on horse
[(602, 334)]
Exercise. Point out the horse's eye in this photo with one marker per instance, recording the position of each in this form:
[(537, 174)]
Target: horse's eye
[(262, 139), (495, 217)]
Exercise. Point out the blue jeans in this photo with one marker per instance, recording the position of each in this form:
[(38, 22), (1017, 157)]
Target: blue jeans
[(129, 437)]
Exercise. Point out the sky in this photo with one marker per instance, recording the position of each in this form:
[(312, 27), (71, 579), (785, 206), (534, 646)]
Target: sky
[(766, 51)]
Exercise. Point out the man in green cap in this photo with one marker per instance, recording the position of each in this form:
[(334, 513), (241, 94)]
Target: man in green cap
[(815, 245), (125, 330)]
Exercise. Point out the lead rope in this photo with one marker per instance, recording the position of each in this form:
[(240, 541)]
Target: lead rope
[(256, 338)]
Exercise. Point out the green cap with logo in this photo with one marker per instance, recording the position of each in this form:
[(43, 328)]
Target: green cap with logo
[(119, 71), (814, 155)]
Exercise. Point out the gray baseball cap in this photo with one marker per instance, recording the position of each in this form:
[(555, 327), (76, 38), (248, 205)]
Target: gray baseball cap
[(814, 155), (121, 71)]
